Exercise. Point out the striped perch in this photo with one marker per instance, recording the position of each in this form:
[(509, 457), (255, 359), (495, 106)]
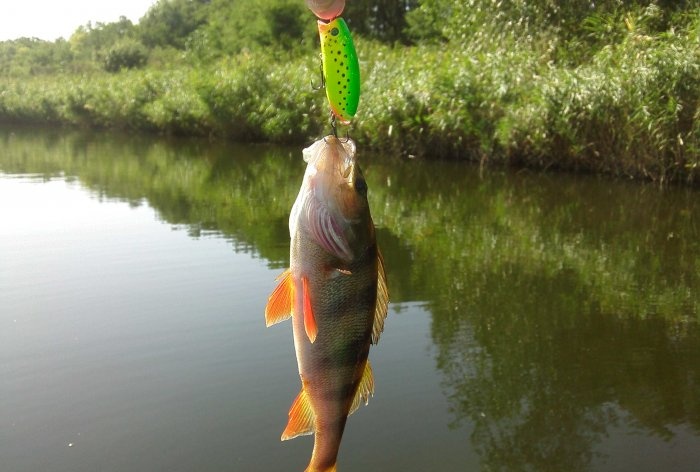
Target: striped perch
[(336, 294)]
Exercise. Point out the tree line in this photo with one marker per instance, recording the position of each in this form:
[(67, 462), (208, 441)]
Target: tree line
[(196, 31), (193, 30)]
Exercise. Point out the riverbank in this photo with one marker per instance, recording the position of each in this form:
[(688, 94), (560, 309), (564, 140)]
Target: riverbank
[(631, 109)]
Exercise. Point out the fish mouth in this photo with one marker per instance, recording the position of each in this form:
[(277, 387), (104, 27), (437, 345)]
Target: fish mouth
[(332, 155)]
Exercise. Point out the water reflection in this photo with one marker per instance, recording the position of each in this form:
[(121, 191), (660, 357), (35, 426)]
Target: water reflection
[(563, 309)]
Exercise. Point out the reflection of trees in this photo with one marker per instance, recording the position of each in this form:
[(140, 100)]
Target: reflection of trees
[(241, 192), (556, 304), (559, 308), (517, 370), (534, 359), (541, 379)]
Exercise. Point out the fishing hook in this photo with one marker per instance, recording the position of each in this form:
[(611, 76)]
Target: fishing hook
[(334, 130), (323, 79)]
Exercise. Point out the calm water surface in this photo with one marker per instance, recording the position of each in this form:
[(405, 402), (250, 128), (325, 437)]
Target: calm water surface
[(538, 322)]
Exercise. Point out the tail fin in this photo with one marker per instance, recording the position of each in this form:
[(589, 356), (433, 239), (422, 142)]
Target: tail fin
[(331, 469)]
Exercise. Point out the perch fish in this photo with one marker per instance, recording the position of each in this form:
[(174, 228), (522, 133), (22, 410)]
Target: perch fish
[(335, 291)]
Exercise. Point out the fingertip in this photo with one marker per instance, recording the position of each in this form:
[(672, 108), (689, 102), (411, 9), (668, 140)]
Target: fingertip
[(326, 9)]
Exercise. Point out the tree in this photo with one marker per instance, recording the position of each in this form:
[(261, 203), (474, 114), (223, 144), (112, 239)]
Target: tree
[(170, 22), (91, 43), (30, 56), (379, 19), (126, 54), (238, 25)]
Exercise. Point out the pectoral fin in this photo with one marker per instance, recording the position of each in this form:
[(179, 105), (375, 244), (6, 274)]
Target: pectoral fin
[(301, 417), (279, 304), (309, 319)]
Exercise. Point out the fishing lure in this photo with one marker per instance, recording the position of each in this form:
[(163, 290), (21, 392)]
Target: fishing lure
[(340, 67)]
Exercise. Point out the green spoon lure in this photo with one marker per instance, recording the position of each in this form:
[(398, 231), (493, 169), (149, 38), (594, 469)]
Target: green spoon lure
[(341, 69)]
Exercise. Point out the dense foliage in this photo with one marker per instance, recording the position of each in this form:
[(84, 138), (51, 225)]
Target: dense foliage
[(612, 86)]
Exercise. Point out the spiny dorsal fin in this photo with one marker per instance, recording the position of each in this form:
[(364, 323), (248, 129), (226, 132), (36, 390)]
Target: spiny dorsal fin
[(364, 390), (301, 417), (381, 307), (279, 304)]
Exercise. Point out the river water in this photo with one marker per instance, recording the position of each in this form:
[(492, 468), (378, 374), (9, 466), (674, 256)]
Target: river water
[(538, 322)]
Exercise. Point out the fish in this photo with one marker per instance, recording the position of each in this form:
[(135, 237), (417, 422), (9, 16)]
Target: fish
[(326, 9), (341, 68), (335, 292)]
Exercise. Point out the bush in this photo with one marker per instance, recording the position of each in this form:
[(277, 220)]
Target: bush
[(127, 54)]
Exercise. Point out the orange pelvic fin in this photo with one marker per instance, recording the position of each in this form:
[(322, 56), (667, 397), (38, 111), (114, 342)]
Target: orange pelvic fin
[(364, 390), (279, 305), (309, 319), (301, 417)]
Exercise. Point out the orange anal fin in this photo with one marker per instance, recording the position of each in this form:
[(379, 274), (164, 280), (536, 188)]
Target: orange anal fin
[(364, 390), (301, 417), (279, 305), (309, 319)]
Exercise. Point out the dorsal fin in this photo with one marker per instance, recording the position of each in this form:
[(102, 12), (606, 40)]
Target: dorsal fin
[(381, 306)]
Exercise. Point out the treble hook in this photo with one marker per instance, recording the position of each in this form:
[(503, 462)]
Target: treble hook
[(323, 79), (346, 138), (334, 129)]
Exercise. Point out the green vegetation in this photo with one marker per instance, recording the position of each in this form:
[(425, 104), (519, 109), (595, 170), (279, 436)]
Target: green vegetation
[(612, 88), (126, 54)]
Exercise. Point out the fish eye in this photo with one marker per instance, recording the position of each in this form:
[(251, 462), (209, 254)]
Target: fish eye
[(361, 186), (334, 32)]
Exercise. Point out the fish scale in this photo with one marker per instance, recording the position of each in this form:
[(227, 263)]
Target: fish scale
[(341, 69)]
